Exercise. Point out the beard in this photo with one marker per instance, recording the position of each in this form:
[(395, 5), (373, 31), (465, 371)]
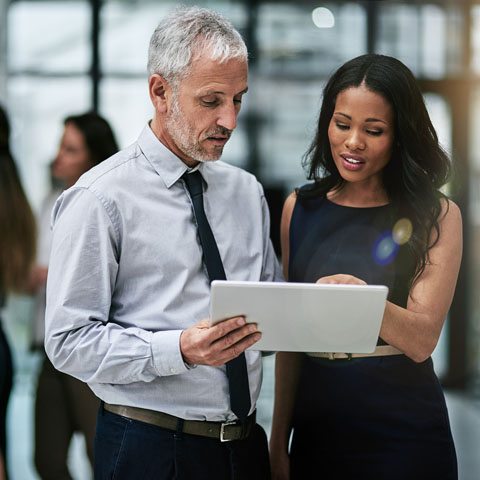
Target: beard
[(183, 134)]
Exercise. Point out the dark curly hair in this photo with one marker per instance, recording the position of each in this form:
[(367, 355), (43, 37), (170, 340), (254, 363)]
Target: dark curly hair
[(418, 167)]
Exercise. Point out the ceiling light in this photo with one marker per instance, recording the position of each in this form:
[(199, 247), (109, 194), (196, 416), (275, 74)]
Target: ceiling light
[(323, 18)]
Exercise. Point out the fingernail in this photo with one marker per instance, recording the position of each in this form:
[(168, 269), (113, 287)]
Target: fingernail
[(241, 321), (253, 328)]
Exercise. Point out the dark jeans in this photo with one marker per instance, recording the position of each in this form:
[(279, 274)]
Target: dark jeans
[(127, 449)]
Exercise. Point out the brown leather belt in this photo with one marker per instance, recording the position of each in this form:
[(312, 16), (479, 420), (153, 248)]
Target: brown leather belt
[(380, 351), (225, 432)]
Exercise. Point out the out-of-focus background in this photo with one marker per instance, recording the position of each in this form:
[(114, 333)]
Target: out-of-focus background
[(64, 57)]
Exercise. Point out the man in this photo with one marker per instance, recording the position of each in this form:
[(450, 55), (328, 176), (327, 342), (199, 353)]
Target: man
[(129, 277)]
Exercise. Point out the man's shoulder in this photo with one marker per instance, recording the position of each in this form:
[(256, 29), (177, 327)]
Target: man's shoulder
[(228, 168), (111, 170), (232, 174)]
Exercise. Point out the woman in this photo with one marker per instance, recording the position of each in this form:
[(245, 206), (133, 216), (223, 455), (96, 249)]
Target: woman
[(17, 251), (374, 214), (63, 403)]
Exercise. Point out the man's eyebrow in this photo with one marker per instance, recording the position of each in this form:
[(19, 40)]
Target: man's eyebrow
[(370, 119), (218, 92)]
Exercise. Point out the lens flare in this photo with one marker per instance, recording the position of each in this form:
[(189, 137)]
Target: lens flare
[(402, 231), (385, 249), (387, 244)]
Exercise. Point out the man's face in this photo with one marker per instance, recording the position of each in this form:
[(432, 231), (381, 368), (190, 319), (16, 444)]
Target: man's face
[(204, 108)]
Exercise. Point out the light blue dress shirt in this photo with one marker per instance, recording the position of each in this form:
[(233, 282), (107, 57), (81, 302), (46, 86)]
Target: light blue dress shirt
[(126, 277)]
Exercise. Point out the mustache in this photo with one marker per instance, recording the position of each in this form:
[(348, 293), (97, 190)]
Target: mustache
[(219, 131)]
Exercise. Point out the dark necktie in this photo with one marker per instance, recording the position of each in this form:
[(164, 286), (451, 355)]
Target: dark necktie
[(237, 368)]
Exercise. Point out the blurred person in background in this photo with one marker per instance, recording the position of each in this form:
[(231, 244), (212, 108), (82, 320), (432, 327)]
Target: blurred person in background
[(64, 405), (17, 253)]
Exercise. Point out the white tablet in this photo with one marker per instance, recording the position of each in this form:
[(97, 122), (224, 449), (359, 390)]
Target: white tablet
[(304, 317)]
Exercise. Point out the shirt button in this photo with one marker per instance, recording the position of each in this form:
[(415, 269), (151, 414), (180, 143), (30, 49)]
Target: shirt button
[(173, 370)]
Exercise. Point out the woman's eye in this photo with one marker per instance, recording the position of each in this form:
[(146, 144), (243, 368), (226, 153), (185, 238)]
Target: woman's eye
[(342, 126), (375, 133)]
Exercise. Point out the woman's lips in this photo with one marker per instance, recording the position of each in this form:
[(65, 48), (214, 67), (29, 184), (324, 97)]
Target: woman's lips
[(352, 162)]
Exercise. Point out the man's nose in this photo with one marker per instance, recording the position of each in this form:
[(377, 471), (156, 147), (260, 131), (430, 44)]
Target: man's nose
[(228, 117)]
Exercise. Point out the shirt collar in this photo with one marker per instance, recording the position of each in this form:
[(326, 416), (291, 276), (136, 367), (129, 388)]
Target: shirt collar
[(168, 166)]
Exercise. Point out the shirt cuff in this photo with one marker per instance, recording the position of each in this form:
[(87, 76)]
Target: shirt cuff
[(167, 357)]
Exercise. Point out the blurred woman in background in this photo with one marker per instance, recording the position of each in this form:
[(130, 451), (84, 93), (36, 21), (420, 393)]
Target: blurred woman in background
[(17, 252), (64, 405)]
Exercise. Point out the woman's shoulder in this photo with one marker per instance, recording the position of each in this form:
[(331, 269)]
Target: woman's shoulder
[(304, 193), (450, 213)]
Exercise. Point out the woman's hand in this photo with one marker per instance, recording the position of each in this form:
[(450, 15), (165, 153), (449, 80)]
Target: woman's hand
[(342, 279)]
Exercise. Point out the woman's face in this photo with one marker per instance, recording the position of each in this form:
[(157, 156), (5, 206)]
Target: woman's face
[(361, 135), (73, 158)]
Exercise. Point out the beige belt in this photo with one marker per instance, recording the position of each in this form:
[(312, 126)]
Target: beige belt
[(380, 351), (224, 432)]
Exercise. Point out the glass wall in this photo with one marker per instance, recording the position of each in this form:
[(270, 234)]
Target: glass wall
[(428, 38), (48, 59), (297, 46), (474, 318)]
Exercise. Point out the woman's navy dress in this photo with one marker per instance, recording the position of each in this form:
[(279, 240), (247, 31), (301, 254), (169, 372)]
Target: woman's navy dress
[(378, 417)]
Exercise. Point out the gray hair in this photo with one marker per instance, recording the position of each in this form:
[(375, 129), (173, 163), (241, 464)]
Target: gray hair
[(186, 33)]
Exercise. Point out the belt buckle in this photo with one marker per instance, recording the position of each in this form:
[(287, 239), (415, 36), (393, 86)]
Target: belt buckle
[(331, 356), (222, 431)]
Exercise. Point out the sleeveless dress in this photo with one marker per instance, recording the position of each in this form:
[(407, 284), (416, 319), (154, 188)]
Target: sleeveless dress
[(378, 417)]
